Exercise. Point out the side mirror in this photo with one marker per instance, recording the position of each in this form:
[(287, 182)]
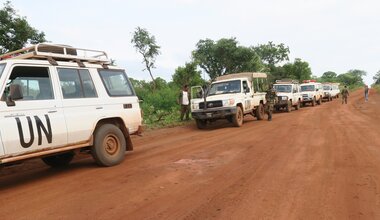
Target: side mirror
[(15, 93)]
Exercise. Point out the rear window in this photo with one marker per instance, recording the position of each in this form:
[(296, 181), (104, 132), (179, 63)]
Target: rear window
[(116, 83)]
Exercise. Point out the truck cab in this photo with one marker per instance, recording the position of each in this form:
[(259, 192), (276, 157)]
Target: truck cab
[(230, 97), (312, 92), (327, 91), (288, 95)]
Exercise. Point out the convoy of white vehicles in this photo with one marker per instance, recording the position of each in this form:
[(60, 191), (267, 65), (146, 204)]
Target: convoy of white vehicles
[(57, 100)]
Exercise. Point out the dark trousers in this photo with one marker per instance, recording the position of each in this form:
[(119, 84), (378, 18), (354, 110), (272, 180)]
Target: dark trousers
[(185, 111)]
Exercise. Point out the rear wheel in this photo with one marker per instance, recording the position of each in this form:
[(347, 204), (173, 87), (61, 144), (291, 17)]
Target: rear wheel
[(59, 160), (260, 112), (237, 119), (109, 145), (200, 123)]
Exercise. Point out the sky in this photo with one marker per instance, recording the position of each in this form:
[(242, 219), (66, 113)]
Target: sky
[(331, 35)]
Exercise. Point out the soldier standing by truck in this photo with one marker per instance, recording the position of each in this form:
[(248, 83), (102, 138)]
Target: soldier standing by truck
[(183, 100), (345, 95), (271, 98)]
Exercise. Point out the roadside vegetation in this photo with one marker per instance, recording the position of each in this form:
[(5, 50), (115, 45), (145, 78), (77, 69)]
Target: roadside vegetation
[(212, 57)]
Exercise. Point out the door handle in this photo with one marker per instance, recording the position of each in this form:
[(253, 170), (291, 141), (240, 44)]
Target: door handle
[(99, 107), (52, 111)]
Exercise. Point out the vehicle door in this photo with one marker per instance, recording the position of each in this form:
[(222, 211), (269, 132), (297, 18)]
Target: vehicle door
[(248, 97), (196, 97), (31, 115), (82, 107)]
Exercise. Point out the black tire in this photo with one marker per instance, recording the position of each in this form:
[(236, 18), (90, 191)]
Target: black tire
[(330, 98), (289, 107), (201, 124), (260, 112), (237, 119), (109, 145), (298, 106), (59, 160), (313, 102)]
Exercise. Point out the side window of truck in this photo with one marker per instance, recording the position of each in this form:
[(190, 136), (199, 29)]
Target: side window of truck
[(33, 83), (116, 82), (76, 83)]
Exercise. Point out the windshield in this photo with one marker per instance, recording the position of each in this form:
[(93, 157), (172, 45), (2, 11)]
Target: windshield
[(326, 87), (307, 88), (1, 68), (225, 87), (283, 88)]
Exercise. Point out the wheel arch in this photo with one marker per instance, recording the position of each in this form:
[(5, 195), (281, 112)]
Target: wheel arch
[(121, 125)]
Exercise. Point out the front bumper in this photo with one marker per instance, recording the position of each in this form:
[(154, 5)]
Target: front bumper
[(214, 113)]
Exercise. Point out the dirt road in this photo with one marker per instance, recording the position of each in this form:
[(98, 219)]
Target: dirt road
[(318, 162)]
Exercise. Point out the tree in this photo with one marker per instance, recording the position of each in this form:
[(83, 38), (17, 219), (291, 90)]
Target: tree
[(271, 53), (187, 75), (299, 70), (146, 45), (225, 56), (15, 31), (352, 78), (329, 76), (377, 77)]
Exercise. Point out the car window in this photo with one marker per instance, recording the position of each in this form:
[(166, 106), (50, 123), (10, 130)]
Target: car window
[(76, 83), (34, 83), (116, 82)]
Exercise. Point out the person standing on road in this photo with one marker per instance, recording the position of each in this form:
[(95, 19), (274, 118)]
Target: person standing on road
[(345, 95), (366, 93), (271, 98), (184, 101)]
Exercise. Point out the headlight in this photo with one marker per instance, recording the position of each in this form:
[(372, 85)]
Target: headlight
[(228, 102)]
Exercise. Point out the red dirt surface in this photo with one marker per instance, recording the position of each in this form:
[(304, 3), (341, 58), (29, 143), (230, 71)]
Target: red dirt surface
[(318, 162)]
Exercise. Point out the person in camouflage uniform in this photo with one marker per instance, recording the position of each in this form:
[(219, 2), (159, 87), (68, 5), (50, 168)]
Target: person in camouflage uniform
[(271, 99), (345, 95)]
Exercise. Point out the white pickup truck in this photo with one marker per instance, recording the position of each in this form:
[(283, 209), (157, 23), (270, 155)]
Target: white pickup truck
[(230, 97), (288, 94), (312, 92)]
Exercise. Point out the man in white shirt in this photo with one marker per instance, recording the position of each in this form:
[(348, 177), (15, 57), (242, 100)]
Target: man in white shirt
[(183, 100)]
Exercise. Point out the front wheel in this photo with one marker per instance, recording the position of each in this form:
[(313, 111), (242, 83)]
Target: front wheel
[(59, 160), (200, 123), (237, 119), (109, 145), (260, 111)]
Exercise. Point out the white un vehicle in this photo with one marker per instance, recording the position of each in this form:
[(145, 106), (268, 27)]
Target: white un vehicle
[(57, 100), (288, 94), (312, 92), (230, 97)]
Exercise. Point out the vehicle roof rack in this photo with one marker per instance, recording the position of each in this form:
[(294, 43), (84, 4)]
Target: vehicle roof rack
[(58, 52), (293, 81)]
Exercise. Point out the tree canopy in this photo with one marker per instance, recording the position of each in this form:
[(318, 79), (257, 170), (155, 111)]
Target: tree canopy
[(272, 54), (225, 56), (15, 31), (187, 75)]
